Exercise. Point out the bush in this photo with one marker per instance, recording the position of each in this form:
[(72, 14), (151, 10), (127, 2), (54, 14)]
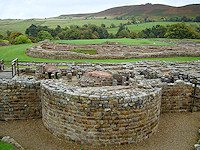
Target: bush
[(42, 35), (22, 40), (5, 41), (133, 35), (13, 35), (181, 31)]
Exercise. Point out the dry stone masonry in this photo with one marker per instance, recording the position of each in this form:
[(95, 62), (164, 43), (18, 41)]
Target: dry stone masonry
[(51, 50), (101, 104)]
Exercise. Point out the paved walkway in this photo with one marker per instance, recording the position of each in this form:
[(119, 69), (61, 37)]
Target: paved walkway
[(6, 74)]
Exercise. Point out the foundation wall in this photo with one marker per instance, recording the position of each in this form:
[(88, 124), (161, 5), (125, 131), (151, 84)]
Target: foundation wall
[(19, 99), (176, 97), (100, 120), (62, 51), (93, 119)]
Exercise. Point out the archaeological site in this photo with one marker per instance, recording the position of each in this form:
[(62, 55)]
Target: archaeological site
[(102, 104)]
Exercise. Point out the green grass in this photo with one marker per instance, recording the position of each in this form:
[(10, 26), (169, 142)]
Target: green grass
[(6, 146), (22, 25), (123, 41), (18, 51), (85, 51), (16, 25), (139, 27)]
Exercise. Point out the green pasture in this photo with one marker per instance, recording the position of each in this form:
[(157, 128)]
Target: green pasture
[(63, 22), (139, 27), (123, 41), (18, 51), (21, 25)]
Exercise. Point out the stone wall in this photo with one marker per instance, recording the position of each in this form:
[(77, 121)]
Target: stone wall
[(62, 51), (104, 113), (19, 98), (176, 97), (101, 115)]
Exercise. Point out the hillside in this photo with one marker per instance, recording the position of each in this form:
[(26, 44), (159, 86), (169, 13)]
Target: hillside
[(150, 10)]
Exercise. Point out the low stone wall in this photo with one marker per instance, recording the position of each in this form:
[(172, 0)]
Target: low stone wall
[(101, 115), (19, 98), (62, 51), (120, 112), (176, 97)]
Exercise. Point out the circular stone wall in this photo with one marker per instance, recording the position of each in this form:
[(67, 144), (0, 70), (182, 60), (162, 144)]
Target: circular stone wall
[(100, 116)]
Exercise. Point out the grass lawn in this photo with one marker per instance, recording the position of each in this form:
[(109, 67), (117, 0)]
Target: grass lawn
[(18, 51), (6, 146), (123, 41)]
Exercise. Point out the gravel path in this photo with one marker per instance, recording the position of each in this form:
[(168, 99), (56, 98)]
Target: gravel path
[(177, 131)]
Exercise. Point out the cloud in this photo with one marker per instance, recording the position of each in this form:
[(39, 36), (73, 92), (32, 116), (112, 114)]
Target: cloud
[(50, 8)]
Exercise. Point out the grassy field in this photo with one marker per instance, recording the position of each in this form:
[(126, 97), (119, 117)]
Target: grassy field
[(18, 51), (123, 41), (139, 27), (6, 146), (22, 25)]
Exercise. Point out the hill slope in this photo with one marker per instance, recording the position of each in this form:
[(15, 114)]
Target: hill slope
[(150, 10)]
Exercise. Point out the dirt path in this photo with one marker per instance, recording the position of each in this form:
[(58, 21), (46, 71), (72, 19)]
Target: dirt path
[(177, 131)]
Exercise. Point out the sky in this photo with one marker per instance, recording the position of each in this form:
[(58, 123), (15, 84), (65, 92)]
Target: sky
[(26, 9)]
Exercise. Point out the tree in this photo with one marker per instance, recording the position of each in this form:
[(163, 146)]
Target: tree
[(133, 20), (22, 40), (32, 30), (121, 27), (1, 36), (123, 34), (103, 25), (181, 31), (133, 35), (161, 30), (42, 35), (197, 19), (13, 35), (112, 25), (8, 33)]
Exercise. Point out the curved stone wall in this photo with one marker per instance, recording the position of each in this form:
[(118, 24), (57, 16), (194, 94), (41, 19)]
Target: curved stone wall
[(20, 98), (62, 51), (100, 116)]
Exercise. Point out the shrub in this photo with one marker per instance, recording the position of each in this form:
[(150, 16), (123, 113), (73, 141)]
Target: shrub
[(22, 40), (181, 31), (42, 35), (133, 35), (13, 35)]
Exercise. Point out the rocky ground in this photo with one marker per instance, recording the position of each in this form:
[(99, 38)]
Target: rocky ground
[(176, 131)]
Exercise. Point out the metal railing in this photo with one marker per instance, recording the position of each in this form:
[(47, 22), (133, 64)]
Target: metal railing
[(2, 65), (194, 96), (15, 67)]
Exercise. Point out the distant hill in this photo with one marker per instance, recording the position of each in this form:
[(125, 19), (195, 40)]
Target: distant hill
[(150, 10)]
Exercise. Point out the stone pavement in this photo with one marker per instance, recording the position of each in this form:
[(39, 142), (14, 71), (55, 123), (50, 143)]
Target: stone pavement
[(6, 74)]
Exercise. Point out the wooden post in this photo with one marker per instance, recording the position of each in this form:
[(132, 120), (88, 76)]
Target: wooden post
[(193, 99)]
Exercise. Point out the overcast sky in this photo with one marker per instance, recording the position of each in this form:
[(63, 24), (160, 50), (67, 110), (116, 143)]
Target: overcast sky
[(25, 9)]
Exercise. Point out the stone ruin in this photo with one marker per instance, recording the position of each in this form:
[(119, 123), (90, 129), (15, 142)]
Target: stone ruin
[(112, 50), (101, 104)]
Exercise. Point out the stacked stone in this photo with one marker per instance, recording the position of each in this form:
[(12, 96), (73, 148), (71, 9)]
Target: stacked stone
[(20, 98), (101, 116), (60, 51), (27, 71), (176, 97), (95, 79)]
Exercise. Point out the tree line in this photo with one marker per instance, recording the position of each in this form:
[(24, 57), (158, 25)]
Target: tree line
[(39, 33)]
